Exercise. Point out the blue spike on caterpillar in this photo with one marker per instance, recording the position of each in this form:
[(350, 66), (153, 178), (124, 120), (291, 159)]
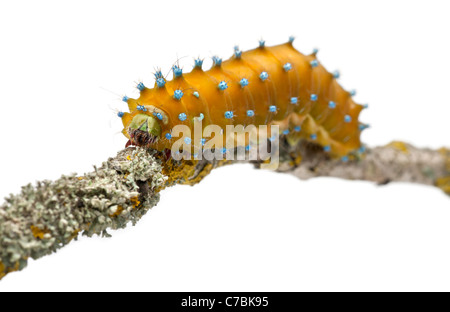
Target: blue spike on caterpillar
[(275, 85)]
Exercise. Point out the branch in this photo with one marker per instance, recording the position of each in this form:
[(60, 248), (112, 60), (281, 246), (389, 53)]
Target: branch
[(43, 218), (47, 216), (395, 162)]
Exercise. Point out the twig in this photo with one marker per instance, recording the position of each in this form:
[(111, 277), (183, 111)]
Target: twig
[(395, 162), (43, 218)]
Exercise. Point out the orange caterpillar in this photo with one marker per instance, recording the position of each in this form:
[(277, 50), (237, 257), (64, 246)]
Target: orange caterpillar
[(265, 86)]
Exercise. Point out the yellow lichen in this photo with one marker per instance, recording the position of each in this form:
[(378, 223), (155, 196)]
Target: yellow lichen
[(400, 146), (118, 212), (135, 201), (296, 160), (74, 234), (444, 184), (38, 233), (4, 270)]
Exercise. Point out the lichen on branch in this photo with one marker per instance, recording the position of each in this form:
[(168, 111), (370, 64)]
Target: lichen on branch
[(44, 217), (394, 162)]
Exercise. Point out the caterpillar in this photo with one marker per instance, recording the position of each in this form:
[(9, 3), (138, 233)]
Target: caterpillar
[(274, 85)]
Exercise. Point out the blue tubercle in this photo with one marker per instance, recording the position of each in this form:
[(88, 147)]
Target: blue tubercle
[(196, 94), (287, 67), (347, 118), (263, 76), (297, 129), (201, 117), (294, 100), (228, 114), (365, 106), (140, 86), (315, 51), (217, 61), (178, 94), (262, 43), (177, 71), (336, 74), (224, 150), (160, 82), (250, 113), (125, 98), (352, 92), (344, 158), (286, 132), (313, 97), (248, 147), (159, 116), (243, 82), (291, 39), (237, 52), (141, 108), (182, 117), (313, 136), (203, 142), (158, 74), (362, 149), (314, 63), (362, 127), (120, 114), (198, 63), (272, 109), (168, 136), (332, 104), (222, 85), (327, 148)]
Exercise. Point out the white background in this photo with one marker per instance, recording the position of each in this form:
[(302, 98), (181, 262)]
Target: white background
[(65, 65)]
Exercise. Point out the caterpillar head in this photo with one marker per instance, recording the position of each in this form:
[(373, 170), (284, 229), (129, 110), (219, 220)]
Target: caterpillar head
[(144, 130)]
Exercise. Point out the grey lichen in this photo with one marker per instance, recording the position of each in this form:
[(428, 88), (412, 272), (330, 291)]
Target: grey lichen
[(46, 216), (394, 162)]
